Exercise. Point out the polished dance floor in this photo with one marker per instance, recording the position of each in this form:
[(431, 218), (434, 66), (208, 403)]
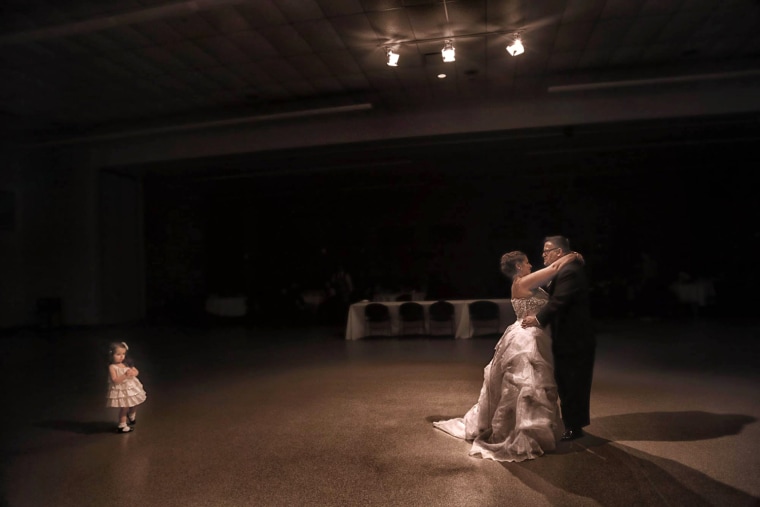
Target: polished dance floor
[(240, 415)]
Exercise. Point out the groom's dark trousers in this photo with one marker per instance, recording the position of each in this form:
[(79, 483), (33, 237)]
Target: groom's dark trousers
[(573, 342)]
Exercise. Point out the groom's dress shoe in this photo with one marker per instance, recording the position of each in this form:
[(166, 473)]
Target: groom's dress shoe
[(572, 434)]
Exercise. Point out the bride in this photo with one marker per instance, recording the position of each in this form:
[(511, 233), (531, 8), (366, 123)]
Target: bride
[(517, 416)]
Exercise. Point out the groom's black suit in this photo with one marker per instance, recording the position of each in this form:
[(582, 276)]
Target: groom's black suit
[(573, 342)]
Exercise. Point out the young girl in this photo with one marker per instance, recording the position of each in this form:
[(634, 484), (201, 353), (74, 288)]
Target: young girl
[(125, 391)]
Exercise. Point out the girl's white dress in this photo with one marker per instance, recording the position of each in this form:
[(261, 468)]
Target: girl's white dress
[(517, 416), (126, 394)]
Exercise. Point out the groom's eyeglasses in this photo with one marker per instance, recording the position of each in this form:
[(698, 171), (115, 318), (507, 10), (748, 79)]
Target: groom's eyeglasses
[(550, 250)]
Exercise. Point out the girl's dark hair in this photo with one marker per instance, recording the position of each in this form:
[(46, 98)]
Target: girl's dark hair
[(509, 262), (118, 345)]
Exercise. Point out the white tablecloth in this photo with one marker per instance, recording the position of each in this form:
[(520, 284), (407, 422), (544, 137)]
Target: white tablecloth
[(356, 328), (698, 292), (226, 306)]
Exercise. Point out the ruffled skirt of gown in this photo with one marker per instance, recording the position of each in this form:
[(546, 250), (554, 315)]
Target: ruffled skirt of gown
[(129, 393), (517, 416)]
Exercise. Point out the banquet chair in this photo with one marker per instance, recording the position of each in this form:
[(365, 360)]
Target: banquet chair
[(377, 320), (441, 321), (412, 319), (484, 317)]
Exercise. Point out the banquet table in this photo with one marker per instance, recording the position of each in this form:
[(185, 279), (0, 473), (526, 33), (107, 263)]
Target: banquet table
[(356, 325), (235, 306), (698, 292)]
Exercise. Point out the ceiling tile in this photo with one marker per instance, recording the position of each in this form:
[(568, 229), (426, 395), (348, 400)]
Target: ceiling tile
[(356, 30), (340, 62), (109, 68), (227, 78), (193, 26), (681, 27), (274, 92), (223, 50), (622, 8), (253, 74), (471, 50), (578, 11), (286, 39), (13, 21), (661, 53), (573, 36), (563, 62), (320, 35), (375, 60), (280, 70), (333, 8), (254, 44), (391, 26), (326, 85), (299, 88), (644, 30), (383, 80), (300, 10), (541, 39), (226, 20), (97, 42), (595, 58), (412, 77), (354, 81), (382, 5), (191, 55), (659, 7), (136, 63), (199, 81), (700, 5), (608, 33), (626, 55), (533, 66), (310, 66), (503, 15), (262, 13), (159, 32), (163, 58), (47, 14), (128, 37), (65, 47), (467, 17), (547, 12)]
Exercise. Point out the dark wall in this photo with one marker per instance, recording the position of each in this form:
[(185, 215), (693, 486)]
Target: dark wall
[(441, 222)]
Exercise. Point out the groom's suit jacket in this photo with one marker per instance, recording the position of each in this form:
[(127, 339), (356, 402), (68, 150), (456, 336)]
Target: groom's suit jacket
[(568, 311)]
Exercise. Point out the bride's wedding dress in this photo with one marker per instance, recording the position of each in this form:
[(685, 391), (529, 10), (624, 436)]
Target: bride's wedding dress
[(517, 416)]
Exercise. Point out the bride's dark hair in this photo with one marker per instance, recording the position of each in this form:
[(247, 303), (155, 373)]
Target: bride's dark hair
[(509, 261)]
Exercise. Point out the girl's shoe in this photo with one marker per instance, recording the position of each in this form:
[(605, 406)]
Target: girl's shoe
[(124, 429), (131, 421)]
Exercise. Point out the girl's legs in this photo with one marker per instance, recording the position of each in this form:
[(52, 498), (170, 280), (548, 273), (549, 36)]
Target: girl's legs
[(132, 416), (123, 426), (123, 415)]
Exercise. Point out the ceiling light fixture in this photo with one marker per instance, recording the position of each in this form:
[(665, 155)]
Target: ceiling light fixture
[(516, 48), (448, 51), (392, 57), (390, 47)]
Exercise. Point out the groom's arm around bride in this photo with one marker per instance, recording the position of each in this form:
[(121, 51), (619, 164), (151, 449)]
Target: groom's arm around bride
[(568, 316)]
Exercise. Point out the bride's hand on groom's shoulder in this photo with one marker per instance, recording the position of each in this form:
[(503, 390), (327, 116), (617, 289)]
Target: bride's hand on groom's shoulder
[(578, 257)]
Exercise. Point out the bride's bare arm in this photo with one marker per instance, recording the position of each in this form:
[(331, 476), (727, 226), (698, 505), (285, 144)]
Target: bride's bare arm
[(544, 275)]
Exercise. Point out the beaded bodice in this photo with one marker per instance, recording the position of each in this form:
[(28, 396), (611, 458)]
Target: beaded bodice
[(531, 305)]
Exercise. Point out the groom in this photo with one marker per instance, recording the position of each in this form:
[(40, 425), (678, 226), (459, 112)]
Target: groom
[(573, 340)]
